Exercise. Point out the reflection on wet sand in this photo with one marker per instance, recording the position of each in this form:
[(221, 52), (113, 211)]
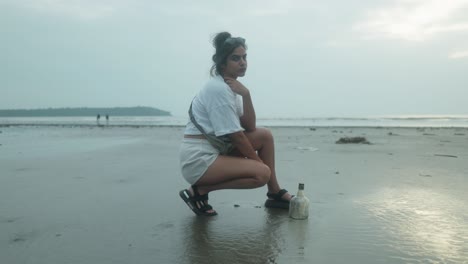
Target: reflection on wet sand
[(231, 241), (421, 224)]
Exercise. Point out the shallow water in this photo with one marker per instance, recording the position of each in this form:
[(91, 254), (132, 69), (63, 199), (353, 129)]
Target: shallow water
[(405, 220), (135, 121), (388, 226), (111, 196)]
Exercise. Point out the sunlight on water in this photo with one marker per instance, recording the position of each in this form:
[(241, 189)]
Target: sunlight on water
[(421, 223)]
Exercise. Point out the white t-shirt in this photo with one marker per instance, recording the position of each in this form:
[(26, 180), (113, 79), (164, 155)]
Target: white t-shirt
[(216, 109)]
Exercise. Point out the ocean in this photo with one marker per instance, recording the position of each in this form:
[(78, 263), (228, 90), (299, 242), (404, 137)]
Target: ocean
[(143, 121)]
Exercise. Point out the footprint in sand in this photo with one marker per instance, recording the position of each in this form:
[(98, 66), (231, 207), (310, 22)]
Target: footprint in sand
[(22, 237), (10, 219)]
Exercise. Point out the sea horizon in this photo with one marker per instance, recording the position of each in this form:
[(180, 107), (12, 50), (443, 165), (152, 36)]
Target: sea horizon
[(332, 121)]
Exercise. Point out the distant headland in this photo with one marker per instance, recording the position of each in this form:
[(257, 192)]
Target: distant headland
[(85, 111)]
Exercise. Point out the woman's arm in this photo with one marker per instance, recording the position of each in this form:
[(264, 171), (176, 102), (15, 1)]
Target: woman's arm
[(242, 143), (248, 119)]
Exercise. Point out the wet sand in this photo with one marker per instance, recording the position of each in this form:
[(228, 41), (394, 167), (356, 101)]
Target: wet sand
[(110, 195)]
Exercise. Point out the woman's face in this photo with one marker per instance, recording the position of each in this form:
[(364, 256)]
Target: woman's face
[(236, 63)]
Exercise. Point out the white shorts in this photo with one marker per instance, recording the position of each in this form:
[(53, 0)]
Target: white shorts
[(195, 156)]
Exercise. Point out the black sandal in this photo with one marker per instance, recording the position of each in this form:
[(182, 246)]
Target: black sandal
[(198, 203), (275, 200)]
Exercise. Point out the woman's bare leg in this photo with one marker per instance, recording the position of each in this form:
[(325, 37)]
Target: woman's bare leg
[(228, 172), (262, 140)]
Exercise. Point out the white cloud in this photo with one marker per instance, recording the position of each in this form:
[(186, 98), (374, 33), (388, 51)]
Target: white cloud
[(414, 20), (459, 55)]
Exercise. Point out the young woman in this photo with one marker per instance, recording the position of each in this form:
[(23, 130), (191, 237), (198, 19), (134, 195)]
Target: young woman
[(223, 107)]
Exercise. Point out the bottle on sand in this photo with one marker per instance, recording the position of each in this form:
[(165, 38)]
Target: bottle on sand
[(299, 205)]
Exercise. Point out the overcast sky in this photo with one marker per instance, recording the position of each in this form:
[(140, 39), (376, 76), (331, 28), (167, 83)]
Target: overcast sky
[(306, 58)]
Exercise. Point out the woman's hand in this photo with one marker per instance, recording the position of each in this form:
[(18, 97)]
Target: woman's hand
[(237, 86), (243, 146), (248, 119)]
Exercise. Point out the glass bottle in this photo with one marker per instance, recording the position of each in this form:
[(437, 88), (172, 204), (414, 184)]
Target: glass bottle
[(299, 205)]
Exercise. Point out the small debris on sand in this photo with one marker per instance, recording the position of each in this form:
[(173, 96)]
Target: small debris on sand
[(307, 148), (352, 140), (443, 155), (425, 175)]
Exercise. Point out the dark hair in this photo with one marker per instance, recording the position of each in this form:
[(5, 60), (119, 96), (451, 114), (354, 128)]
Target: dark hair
[(224, 45)]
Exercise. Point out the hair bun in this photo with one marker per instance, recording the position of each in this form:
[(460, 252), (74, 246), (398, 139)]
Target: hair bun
[(220, 38)]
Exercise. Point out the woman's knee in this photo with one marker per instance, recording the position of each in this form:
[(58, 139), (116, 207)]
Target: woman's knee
[(266, 134), (262, 175)]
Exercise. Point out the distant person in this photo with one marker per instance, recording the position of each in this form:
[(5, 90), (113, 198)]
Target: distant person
[(223, 107), (97, 119), (107, 120)]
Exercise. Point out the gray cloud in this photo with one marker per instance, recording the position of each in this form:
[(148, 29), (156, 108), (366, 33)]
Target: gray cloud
[(305, 57)]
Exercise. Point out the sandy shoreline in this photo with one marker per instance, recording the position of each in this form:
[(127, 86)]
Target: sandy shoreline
[(110, 195)]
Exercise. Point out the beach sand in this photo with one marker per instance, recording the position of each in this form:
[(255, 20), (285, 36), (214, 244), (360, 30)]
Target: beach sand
[(110, 195)]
